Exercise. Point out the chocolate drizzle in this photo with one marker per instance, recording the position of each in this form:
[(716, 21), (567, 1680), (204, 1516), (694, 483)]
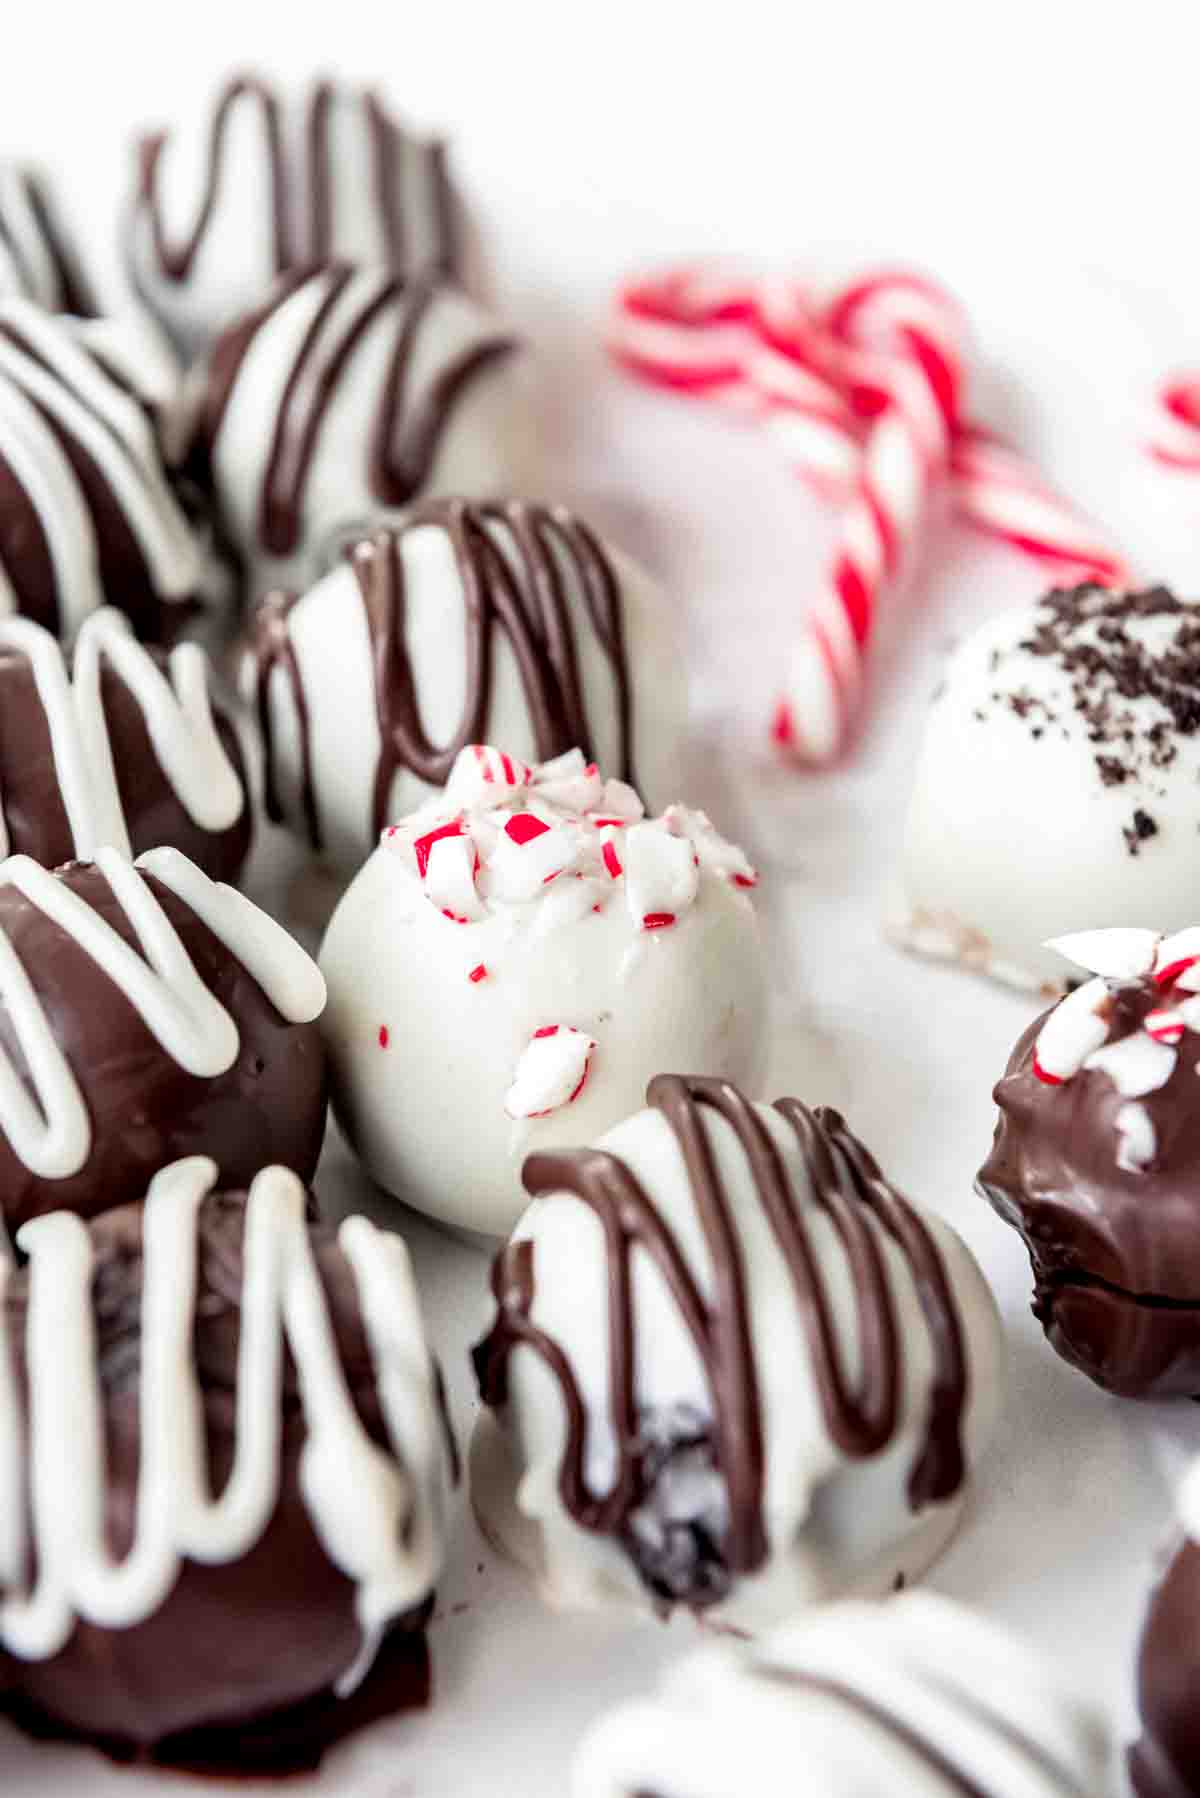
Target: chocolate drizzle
[(516, 565), (295, 242), (406, 433), (846, 1184)]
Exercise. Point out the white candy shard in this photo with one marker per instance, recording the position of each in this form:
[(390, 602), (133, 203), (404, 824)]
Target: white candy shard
[(450, 879), (551, 1072), (620, 801), (1137, 1140), (1136, 1064), (483, 775), (529, 853), (661, 876), (1124, 954), (715, 853), (1074, 1030), (1183, 946), (582, 792)]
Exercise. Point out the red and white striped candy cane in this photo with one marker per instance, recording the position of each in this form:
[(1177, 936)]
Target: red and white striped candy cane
[(863, 398), (1176, 437)]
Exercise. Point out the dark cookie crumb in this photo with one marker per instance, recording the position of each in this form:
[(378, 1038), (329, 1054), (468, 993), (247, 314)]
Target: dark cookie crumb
[(1140, 831), (675, 1533)]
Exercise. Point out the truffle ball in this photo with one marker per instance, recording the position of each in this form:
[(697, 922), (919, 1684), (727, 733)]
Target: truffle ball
[(512, 965), (505, 623), (1096, 1161), (730, 1368), (224, 1467), (1056, 789)]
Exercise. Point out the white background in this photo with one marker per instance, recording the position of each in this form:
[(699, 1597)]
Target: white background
[(1042, 159)]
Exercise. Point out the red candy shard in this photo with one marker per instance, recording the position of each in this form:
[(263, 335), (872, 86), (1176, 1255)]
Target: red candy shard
[(1043, 1076), (523, 828), (783, 728), (745, 880), (384, 1036), (478, 973), (1168, 975), (424, 845), (658, 920), (612, 861), (546, 1030)]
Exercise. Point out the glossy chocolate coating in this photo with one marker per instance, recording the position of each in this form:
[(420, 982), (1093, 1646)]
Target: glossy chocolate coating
[(1165, 1763), (34, 814), (1115, 1251), (145, 1109), (244, 1643)]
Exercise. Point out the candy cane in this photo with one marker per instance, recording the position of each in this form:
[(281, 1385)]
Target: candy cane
[(862, 398), (1176, 439)]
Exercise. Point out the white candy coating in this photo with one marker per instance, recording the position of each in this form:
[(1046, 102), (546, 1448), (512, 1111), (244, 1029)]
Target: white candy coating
[(36, 260), (425, 1103), (836, 1523), (916, 1697), (1014, 834), (389, 201), (327, 680), (380, 1517), (484, 444)]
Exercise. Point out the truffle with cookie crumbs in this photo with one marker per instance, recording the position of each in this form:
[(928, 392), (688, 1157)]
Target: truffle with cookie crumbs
[(1059, 783)]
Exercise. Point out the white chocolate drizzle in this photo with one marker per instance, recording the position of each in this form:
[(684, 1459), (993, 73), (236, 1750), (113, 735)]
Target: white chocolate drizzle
[(51, 1132), (380, 1517), (177, 712)]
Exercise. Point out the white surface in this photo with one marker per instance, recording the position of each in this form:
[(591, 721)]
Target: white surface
[(1041, 158)]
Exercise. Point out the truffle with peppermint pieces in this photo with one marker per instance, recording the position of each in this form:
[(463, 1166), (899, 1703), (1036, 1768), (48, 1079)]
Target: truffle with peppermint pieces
[(122, 746), (1165, 1761), (917, 1696), (515, 961), (1056, 789), (467, 623), (730, 1368), (272, 180), (348, 394), (1096, 1160), (39, 260), (88, 514), (224, 1477), (146, 1013)]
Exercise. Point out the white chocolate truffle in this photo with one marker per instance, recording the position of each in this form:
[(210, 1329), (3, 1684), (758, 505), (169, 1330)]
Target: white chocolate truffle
[(1057, 787), (38, 261), (515, 962), (504, 623), (730, 1368), (276, 181), (349, 393), (87, 514), (918, 1697)]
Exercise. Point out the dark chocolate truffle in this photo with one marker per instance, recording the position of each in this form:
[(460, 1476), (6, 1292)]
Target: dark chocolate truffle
[(240, 1593), (126, 749), (147, 1013), (87, 512), (1096, 1161)]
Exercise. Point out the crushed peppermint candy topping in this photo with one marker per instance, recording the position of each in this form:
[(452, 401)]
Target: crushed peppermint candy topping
[(504, 834), (552, 1071), (1076, 1034), (478, 972)]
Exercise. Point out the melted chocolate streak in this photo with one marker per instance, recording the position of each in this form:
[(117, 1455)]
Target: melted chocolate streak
[(176, 260), (526, 597), (404, 437), (73, 290), (847, 1185)]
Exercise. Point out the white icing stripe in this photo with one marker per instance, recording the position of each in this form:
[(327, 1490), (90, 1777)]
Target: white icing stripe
[(40, 465), (288, 975), (27, 265), (380, 1522), (178, 716), (52, 1135), (112, 428)]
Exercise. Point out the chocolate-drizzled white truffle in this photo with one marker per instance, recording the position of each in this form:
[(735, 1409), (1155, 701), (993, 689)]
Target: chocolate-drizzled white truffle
[(507, 623), (730, 1368), (349, 393), (917, 1696), (38, 261), (512, 965), (1056, 790), (274, 182), (87, 515)]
